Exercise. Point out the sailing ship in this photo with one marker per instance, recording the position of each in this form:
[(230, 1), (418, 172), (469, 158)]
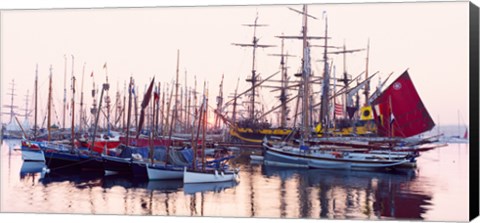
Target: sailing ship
[(390, 150), (398, 113), (254, 128), (13, 129)]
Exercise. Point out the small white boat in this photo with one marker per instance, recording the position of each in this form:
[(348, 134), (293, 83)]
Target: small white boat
[(162, 172), (31, 152), (209, 176)]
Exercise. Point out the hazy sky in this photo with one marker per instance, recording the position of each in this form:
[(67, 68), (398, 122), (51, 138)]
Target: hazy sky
[(430, 39)]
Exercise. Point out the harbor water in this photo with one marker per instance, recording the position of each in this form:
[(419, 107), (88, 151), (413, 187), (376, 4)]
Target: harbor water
[(436, 190)]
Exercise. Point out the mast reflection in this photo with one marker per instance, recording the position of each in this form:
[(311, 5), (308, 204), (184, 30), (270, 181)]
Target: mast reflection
[(345, 194)]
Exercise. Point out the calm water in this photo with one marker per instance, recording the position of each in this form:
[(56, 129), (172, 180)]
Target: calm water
[(436, 190)]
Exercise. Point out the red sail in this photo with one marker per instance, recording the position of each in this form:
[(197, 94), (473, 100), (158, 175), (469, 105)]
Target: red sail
[(146, 100), (399, 111)]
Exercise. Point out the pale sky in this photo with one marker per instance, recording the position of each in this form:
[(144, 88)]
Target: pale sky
[(430, 39)]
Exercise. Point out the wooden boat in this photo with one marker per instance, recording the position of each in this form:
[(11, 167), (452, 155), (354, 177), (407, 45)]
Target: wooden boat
[(171, 167), (164, 172), (209, 176), (122, 159), (316, 158), (58, 156)]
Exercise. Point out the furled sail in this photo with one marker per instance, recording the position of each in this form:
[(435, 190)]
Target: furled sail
[(399, 110)]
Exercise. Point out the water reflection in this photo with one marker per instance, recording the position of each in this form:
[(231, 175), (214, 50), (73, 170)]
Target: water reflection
[(263, 191), (208, 187), (78, 180), (29, 169), (350, 194)]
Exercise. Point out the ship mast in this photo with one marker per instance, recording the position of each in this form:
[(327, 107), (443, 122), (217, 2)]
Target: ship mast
[(284, 84), (345, 78), (219, 105), (26, 107), (64, 91), (93, 110), (176, 107), (124, 103), (324, 114), (188, 115), (234, 112), (186, 104), (11, 106), (81, 98), (130, 88), (49, 105), (73, 107), (306, 70), (306, 76), (367, 85), (204, 125), (254, 76), (36, 97), (158, 108), (107, 98), (162, 112)]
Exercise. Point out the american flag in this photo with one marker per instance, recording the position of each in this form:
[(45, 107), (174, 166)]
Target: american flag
[(338, 109)]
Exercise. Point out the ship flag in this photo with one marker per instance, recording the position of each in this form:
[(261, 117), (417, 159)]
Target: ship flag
[(338, 109)]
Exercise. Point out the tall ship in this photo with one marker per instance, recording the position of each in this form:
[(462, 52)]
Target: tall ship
[(349, 118)]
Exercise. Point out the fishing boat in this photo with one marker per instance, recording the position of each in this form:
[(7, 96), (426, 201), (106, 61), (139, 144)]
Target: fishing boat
[(69, 156)]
